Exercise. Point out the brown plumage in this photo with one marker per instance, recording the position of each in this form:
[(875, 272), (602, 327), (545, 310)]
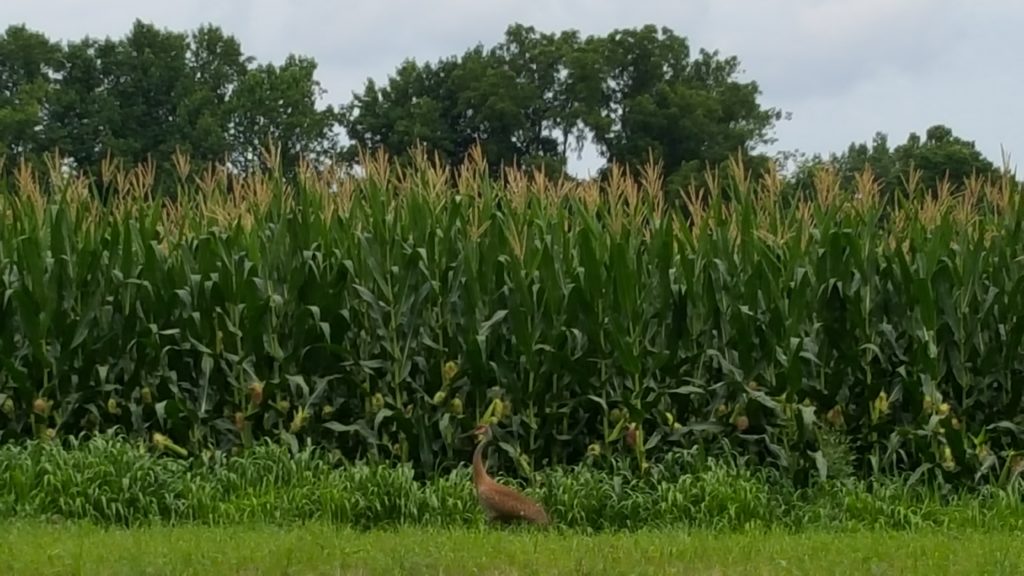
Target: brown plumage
[(501, 503)]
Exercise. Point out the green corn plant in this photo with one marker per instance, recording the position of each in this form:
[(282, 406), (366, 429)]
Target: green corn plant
[(381, 316)]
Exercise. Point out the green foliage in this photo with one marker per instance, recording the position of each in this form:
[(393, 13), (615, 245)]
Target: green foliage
[(110, 481), (279, 104), (153, 93), (385, 315), (917, 166), (322, 549), (659, 102), (534, 97), (27, 59)]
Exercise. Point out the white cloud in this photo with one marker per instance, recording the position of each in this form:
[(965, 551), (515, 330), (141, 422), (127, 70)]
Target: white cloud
[(844, 69)]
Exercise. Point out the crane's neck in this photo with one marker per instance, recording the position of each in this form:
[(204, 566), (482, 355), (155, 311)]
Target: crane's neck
[(479, 466)]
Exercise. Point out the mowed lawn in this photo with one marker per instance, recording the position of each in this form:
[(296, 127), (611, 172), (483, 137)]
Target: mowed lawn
[(39, 549)]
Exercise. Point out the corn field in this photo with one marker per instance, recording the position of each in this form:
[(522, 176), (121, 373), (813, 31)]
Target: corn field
[(382, 316)]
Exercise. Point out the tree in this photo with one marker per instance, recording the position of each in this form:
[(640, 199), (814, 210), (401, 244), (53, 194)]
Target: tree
[(535, 97), (145, 78), (154, 93), (217, 68), (125, 99), (658, 102), (80, 108), (530, 77), (940, 157), (28, 63), (279, 104), (511, 99), (418, 105)]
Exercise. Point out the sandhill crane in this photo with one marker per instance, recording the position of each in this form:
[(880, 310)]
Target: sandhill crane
[(501, 503)]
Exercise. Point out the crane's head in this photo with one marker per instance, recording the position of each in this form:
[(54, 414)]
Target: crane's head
[(482, 432)]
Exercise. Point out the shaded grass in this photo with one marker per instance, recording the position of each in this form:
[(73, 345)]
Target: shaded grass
[(111, 482), (30, 548), (116, 482)]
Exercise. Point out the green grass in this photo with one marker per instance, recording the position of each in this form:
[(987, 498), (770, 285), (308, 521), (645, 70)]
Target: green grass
[(115, 482), (322, 549)]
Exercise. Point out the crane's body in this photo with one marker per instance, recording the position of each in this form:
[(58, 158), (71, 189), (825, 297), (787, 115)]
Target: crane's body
[(501, 503)]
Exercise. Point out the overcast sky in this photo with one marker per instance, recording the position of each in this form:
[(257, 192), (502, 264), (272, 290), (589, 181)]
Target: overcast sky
[(844, 68)]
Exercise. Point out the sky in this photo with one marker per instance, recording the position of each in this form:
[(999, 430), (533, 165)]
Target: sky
[(844, 69)]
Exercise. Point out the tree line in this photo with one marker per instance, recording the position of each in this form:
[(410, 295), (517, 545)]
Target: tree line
[(531, 100), (154, 92)]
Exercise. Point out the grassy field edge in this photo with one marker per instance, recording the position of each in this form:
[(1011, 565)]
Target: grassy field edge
[(112, 482), (321, 549)]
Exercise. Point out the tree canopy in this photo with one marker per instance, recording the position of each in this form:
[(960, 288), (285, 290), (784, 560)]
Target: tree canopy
[(531, 100), (940, 157), (155, 92), (534, 98)]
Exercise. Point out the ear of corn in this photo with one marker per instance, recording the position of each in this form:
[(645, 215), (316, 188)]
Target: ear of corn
[(384, 315)]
